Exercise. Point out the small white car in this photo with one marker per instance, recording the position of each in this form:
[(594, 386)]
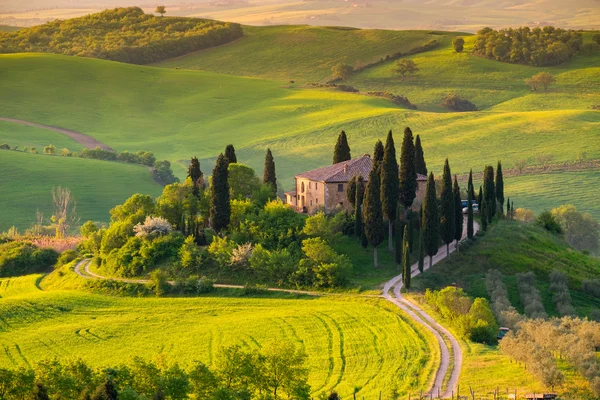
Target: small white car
[(475, 209)]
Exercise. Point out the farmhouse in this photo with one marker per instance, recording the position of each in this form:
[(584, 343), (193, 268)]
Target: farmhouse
[(325, 188)]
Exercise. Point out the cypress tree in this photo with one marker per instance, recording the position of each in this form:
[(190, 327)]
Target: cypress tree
[(364, 241), (447, 208), (480, 197), (421, 253), (411, 231), (420, 165), (483, 212), (372, 213), (195, 174), (406, 270), (351, 191), (390, 185), (430, 221), (458, 213), (470, 227), (470, 187), (378, 153), (512, 209), (230, 154), (398, 249), (408, 175), (220, 208), (500, 186), (489, 192), (358, 200), (269, 176), (341, 152), (508, 208)]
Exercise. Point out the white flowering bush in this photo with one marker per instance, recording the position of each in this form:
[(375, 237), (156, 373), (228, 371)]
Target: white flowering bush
[(153, 226), (240, 255)]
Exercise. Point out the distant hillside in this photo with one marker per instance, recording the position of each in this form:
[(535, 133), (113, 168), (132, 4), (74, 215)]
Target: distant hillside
[(302, 53), (122, 34), (8, 28)]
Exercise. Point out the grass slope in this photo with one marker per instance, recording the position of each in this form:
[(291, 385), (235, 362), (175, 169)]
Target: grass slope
[(544, 192), (29, 136), (300, 53), (96, 185), (363, 343)]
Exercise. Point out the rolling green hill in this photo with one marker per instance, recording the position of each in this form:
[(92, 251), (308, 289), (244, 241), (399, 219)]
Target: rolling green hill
[(301, 53), (97, 186), (23, 136), (350, 342)]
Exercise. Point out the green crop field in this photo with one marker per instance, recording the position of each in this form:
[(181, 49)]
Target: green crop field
[(97, 186), (350, 342), (546, 191), (23, 136), (301, 53)]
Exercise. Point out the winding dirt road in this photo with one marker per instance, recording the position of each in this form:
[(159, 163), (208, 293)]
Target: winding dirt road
[(442, 334), (79, 137)]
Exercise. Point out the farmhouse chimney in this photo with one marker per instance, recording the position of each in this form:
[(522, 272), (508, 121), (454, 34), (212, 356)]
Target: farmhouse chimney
[(345, 169)]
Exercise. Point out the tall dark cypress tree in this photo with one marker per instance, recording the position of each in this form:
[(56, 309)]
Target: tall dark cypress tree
[(458, 214), (420, 165), (470, 187), (195, 174), (398, 249), (500, 187), (489, 192), (220, 208), (378, 152), (421, 253), (372, 213), (359, 188), (431, 220), (480, 197), (230, 154), (470, 227), (508, 208), (483, 213), (390, 185), (269, 176), (408, 175), (341, 152), (447, 208), (406, 270)]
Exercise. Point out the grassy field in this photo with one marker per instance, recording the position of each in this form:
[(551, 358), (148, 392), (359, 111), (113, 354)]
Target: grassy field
[(301, 53), (351, 342), (544, 192), (7, 28), (96, 185), (28, 136)]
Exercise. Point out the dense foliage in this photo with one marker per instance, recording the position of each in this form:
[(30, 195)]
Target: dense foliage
[(456, 103), (276, 371), (22, 258), (537, 46), (122, 34)]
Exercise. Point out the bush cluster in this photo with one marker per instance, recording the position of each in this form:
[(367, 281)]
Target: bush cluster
[(561, 297), (455, 103), (23, 258), (277, 369), (122, 34), (430, 45), (549, 222), (504, 311), (537, 46), (472, 319), (531, 298), (592, 287), (394, 98)]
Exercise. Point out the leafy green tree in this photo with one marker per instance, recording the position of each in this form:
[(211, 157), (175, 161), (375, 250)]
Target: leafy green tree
[(372, 213), (500, 187), (459, 44), (230, 154), (220, 209), (404, 67), (378, 152), (430, 220), (88, 229), (39, 392), (282, 369), (161, 10), (203, 381), (489, 192), (196, 175), (242, 181), (341, 152), (447, 216), (458, 214), (420, 165), (106, 391), (329, 268), (406, 267), (421, 253), (390, 185), (408, 175), (342, 71), (269, 176)]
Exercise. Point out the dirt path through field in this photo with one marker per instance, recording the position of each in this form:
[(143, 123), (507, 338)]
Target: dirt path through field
[(442, 334), (79, 137)]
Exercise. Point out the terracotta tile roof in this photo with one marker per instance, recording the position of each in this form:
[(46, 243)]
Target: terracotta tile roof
[(421, 177), (341, 172)]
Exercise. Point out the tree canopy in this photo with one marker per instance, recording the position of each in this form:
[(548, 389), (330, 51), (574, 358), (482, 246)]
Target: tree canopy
[(341, 152)]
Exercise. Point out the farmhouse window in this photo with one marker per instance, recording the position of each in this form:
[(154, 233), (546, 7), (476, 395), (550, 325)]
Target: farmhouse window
[(340, 187)]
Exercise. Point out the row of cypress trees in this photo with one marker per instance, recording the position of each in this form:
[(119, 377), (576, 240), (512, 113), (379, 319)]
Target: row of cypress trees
[(220, 208)]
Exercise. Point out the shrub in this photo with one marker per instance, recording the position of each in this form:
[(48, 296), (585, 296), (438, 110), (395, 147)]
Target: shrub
[(275, 266), (395, 98), (341, 71), (153, 226), (65, 258), (455, 103), (23, 258), (240, 255), (549, 222), (158, 283), (524, 214), (221, 250), (162, 173), (191, 256), (322, 266), (531, 298), (561, 295), (592, 287), (4, 146)]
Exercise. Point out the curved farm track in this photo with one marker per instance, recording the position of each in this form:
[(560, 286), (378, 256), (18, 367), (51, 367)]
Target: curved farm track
[(81, 138)]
